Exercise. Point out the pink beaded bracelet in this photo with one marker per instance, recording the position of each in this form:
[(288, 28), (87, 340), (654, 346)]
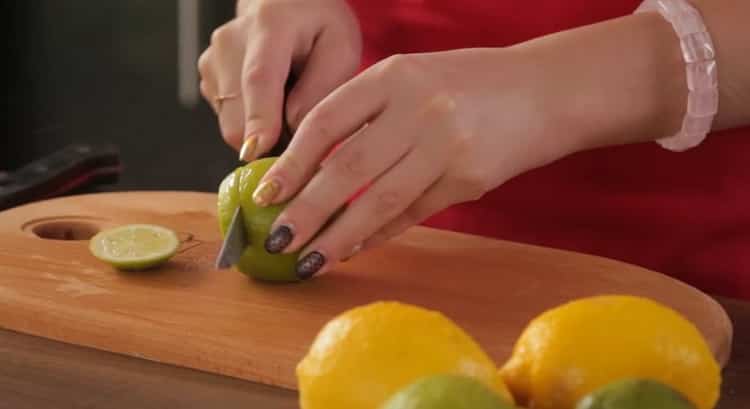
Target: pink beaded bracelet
[(702, 79)]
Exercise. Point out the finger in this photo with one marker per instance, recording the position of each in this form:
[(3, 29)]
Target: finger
[(230, 120), (436, 198), (266, 66), (207, 79), (208, 91), (358, 161), (383, 202), (336, 118), (332, 61), (222, 64), (231, 114)]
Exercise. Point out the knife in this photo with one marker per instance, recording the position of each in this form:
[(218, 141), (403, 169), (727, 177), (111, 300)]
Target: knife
[(236, 240), (234, 243), (72, 169)]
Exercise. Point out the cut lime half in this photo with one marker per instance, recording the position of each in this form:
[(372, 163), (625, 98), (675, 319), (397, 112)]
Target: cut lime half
[(135, 246)]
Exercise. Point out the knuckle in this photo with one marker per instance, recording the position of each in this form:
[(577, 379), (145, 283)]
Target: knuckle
[(289, 168), (442, 109), (397, 226), (349, 164), (472, 185), (460, 141), (387, 203), (399, 66), (442, 105), (205, 90), (312, 213), (203, 62), (221, 34), (294, 113), (231, 134), (267, 10), (408, 218), (319, 121), (256, 73)]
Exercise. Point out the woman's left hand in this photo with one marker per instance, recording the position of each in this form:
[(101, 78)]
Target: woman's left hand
[(422, 132)]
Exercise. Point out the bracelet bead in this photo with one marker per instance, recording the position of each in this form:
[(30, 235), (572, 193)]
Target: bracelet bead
[(702, 78)]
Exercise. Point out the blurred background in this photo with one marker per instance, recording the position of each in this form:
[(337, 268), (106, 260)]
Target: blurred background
[(121, 72)]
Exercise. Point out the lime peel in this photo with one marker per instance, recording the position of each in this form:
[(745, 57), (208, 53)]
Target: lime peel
[(135, 246)]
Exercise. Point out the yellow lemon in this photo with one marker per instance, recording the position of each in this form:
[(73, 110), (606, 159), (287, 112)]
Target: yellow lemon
[(576, 348), (365, 355)]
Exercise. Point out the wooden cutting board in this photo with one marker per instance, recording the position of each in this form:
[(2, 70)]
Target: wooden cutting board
[(191, 315)]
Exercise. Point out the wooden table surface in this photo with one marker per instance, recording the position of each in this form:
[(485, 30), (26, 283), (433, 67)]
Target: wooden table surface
[(42, 374)]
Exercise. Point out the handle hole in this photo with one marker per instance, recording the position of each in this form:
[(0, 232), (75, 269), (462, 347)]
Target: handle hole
[(65, 230)]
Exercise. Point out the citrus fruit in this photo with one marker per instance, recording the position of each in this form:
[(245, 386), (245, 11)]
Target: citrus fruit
[(635, 394), (236, 190), (135, 246), (446, 392), (362, 357), (576, 348)]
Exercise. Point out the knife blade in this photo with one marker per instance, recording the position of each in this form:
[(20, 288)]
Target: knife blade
[(234, 243)]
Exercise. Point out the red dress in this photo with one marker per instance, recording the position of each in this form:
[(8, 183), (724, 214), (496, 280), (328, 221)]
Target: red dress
[(684, 214)]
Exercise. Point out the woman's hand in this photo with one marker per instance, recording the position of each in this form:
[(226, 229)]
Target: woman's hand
[(245, 68), (422, 132)]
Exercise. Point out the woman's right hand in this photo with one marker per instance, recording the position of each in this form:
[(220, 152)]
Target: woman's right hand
[(246, 66)]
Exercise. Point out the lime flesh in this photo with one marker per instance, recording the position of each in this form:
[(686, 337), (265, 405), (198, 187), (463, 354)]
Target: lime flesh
[(446, 392), (135, 246)]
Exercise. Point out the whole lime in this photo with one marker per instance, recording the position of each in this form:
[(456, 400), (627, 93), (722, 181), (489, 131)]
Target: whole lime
[(236, 190), (446, 391), (635, 394)]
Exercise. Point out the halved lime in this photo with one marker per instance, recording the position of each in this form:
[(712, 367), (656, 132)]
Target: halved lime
[(135, 246)]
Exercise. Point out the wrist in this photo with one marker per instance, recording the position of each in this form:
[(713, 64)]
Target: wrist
[(612, 83)]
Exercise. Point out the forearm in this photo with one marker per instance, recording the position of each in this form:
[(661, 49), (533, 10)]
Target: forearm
[(727, 21), (623, 81)]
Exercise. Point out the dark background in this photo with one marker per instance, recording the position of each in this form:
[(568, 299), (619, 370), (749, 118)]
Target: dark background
[(93, 71)]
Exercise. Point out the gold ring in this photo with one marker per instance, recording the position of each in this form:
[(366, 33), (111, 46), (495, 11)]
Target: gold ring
[(219, 100)]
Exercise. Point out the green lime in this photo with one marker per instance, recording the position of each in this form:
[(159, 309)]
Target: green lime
[(446, 392), (135, 246), (635, 394), (237, 190)]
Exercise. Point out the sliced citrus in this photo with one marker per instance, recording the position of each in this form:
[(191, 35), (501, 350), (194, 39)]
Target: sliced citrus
[(135, 246)]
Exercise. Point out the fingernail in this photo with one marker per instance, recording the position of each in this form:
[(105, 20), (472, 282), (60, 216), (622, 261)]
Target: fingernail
[(310, 264), (279, 239), (266, 192), (247, 152), (354, 252)]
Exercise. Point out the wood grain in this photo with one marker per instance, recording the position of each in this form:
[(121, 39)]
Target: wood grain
[(37, 373), (191, 315)]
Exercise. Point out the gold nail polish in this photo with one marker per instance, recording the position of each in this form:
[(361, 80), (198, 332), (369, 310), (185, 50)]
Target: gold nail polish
[(247, 152), (266, 192)]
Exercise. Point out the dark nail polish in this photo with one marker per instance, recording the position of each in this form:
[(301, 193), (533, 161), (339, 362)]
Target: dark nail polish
[(310, 264), (279, 239)]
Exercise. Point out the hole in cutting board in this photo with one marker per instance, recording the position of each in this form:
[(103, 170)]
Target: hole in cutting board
[(65, 230)]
